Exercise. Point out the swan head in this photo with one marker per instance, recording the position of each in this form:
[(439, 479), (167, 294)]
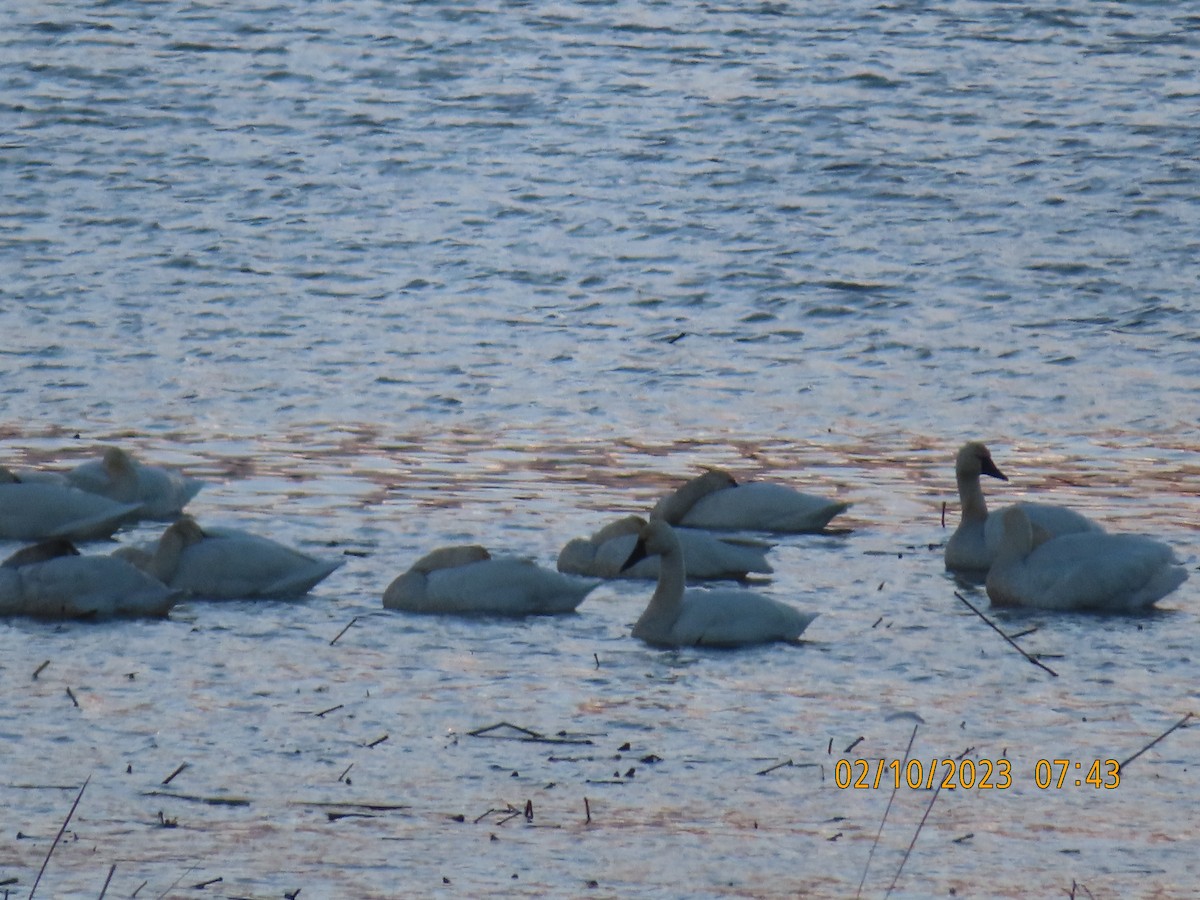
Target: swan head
[(619, 528), (40, 552), (117, 462), (655, 538), (450, 557), (974, 460), (185, 530)]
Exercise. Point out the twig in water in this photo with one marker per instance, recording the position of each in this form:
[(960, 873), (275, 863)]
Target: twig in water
[(38, 670), (72, 696), (343, 631), (107, 881), (887, 809), (858, 740), (58, 837), (770, 769), (345, 771), (324, 712), (524, 734), (994, 628), (1178, 724), (171, 777), (943, 513), (377, 742), (913, 842), (596, 657), (587, 810)]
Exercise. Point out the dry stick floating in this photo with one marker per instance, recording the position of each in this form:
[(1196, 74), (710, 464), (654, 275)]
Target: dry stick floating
[(343, 631), (587, 810), (171, 777), (72, 696), (887, 809), (523, 734), (107, 881), (780, 765), (913, 842), (346, 771), (58, 837), (1178, 724), (994, 628), (324, 712), (377, 742), (38, 670)]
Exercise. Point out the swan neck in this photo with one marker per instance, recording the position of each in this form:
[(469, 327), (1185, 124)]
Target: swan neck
[(970, 496), (667, 601)]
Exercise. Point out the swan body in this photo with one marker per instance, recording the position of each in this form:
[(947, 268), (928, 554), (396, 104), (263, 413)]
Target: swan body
[(677, 617), (1081, 571), (37, 510), (52, 581), (715, 500), (163, 493), (467, 580), (228, 564), (707, 556), (976, 540)]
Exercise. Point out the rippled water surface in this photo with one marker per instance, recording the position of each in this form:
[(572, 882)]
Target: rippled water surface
[(391, 276)]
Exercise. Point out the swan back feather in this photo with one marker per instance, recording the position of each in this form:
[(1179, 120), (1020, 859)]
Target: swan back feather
[(80, 587), (467, 580), (1080, 571), (36, 510)]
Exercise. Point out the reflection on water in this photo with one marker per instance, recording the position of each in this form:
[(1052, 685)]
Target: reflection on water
[(348, 765), (392, 276)]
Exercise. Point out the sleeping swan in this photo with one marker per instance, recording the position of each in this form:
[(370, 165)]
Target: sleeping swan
[(708, 557), (466, 580), (52, 581), (227, 564), (39, 509), (716, 501), (117, 475), (1087, 570), (974, 543), (676, 617)]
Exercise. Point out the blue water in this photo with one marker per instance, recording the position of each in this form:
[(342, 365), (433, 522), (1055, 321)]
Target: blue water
[(391, 276)]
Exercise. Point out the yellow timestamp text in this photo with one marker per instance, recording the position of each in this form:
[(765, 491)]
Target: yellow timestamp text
[(972, 774)]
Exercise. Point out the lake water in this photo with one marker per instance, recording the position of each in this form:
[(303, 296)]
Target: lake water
[(393, 276)]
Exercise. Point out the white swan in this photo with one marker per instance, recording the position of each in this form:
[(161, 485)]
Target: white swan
[(1085, 570), (708, 556), (466, 580), (117, 475), (52, 581), (715, 500), (34, 511), (227, 564), (975, 541), (676, 617)]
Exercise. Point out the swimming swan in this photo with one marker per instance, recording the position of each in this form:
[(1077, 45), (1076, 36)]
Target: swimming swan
[(52, 581), (975, 541), (227, 564), (716, 501), (1085, 571), (37, 510), (676, 617), (708, 556), (117, 475), (467, 580)]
